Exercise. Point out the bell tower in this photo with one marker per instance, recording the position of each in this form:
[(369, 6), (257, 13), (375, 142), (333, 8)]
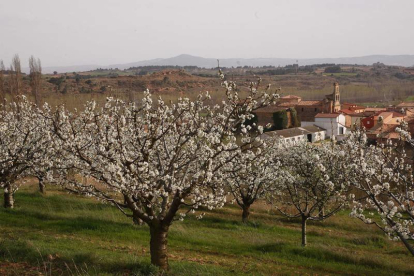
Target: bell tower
[(336, 98)]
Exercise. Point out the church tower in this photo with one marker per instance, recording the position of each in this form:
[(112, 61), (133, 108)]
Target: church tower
[(336, 98)]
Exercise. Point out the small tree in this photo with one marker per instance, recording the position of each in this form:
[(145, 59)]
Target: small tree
[(280, 119), (15, 76), (313, 183), (383, 177), (35, 78), (153, 159), (294, 117), (23, 140), (253, 172)]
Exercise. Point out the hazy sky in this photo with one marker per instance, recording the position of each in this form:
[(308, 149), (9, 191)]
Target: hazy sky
[(103, 32)]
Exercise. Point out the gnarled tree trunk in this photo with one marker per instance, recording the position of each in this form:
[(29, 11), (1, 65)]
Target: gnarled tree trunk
[(304, 241), (8, 196), (246, 213), (158, 245)]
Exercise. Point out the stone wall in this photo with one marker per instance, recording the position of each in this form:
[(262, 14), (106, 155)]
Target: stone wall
[(308, 113)]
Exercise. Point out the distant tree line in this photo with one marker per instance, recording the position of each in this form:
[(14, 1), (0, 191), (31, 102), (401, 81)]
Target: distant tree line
[(333, 69)]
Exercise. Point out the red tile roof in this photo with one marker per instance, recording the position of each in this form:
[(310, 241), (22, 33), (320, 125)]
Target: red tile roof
[(347, 111), (397, 114), (375, 109), (307, 103), (327, 115), (406, 104), (287, 104), (354, 105), (290, 97)]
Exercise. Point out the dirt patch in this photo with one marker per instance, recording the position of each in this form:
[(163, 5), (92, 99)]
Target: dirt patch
[(8, 269)]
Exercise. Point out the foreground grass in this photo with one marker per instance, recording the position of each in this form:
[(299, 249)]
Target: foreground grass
[(63, 234)]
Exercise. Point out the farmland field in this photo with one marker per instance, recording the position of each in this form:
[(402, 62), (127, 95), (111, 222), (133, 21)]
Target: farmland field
[(61, 234)]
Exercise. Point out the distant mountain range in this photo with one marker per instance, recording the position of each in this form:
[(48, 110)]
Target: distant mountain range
[(189, 60)]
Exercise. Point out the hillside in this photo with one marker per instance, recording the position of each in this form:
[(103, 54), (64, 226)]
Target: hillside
[(186, 60), (189, 60), (376, 85)]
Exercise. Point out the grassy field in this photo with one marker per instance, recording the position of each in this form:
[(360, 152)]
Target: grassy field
[(57, 234), (410, 99)]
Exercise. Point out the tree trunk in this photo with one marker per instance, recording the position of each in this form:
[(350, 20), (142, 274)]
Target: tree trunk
[(304, 219), (41, 186), (158, 246), (8, 197), (246, 213)]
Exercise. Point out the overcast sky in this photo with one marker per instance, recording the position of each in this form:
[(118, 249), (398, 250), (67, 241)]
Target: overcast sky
[(103, 32)]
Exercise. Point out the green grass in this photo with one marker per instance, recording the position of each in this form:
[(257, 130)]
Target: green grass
[(70, 235), (409, 99)]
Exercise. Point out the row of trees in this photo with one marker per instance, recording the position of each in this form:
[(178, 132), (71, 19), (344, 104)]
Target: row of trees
[(313, 182), (142, 155), (156, 162), (11, 80)]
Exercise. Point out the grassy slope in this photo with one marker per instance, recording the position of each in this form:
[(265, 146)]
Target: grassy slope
[(66, 234)]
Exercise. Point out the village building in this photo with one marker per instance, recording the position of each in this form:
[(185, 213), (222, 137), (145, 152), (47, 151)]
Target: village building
[(294, 135), (356, 119), (405, 106), (290, 99), (334, 123), (351, 118), (351, 107), (334, 117), (305, 110), (385, 118), (382, 126), (330, 114), (374, 110)]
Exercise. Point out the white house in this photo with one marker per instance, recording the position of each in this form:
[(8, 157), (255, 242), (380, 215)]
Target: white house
[(292, 135), (334, 123)]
